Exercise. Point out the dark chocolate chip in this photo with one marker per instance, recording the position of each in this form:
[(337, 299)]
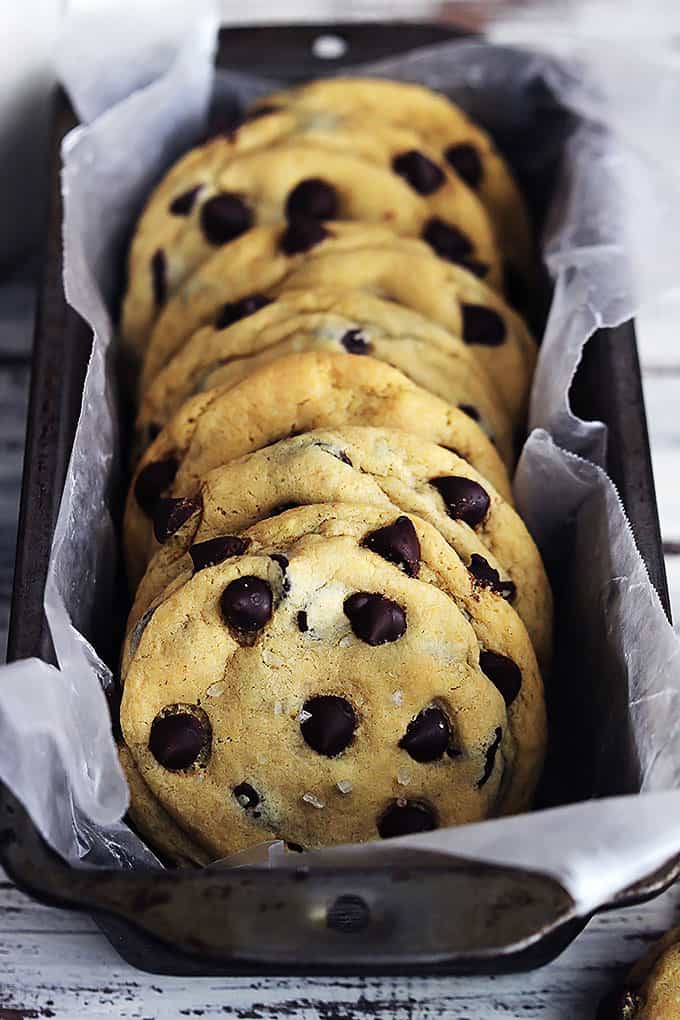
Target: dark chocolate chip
[(516, 287), (448, 241), (183, 204), (158, 278), (490, 759), (465, 500), (301, 235), (355, 342), (427, 736), (281, 508), (152, 482), (466, 161), (313, 199), (375, 619), (216, 550), (331, 725), (246, 604), (398, 543), (470, 411), (170, 514), (403, 817), (503, 674), (483, 326), (225, 217), (178, 737), (302, 621), (247, 796), (235, 310), (262, 111), (422, 174), (486, 576)]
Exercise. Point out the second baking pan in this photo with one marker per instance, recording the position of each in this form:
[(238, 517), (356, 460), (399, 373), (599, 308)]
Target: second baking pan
[(480, 918)]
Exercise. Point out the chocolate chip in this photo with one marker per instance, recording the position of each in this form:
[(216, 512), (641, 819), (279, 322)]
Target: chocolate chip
[(397, 543), (313, 199), (179, 736), (470, 411), (465, 500), (403, 817), (490, 759), (281, 508), (427, 736), (301, 235), (225, 217), (355, 342), (515, 287), (183, 204), (170, 514), (488, 577), (466, 161), (158, 276), (330, 726), (422, 174), (482, 325), (216, 550), (295, 847), (246, 604), (302, 621), (503, 674), (449, 242), (235, 310), (247, 796), (375, 619), (152, 482)]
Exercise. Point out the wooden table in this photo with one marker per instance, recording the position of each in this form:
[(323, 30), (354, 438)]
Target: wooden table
[(56, 964)]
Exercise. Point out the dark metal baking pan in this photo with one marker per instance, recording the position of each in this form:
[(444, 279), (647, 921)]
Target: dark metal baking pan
[(446, 916)]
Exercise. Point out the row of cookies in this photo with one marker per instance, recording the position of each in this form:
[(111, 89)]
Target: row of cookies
[(338, 617)]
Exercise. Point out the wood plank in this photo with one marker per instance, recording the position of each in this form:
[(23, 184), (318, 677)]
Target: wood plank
[(54, 960), (657, 335), (662, 399)]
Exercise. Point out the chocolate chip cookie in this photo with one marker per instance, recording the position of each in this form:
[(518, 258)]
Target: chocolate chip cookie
[(377, 467), (401, 270), (324, 685), (652, 988), (292, 180), (449, 134), (288, 396), (326, 319)]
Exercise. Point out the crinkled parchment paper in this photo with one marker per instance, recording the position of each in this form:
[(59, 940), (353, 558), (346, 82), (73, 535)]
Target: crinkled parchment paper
[(617, 199)]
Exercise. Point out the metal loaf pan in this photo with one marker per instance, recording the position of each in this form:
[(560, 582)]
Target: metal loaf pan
[(442, 917)]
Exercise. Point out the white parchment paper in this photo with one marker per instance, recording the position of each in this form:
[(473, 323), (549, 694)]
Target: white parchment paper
[(57, 752)]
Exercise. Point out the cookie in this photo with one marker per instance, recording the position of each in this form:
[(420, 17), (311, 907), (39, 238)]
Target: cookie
[(342, 321), (449, 134), (293, 179), (237, 277), (248, 709), (291, 395), (402, 270), (376, 467), (651, 990)]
